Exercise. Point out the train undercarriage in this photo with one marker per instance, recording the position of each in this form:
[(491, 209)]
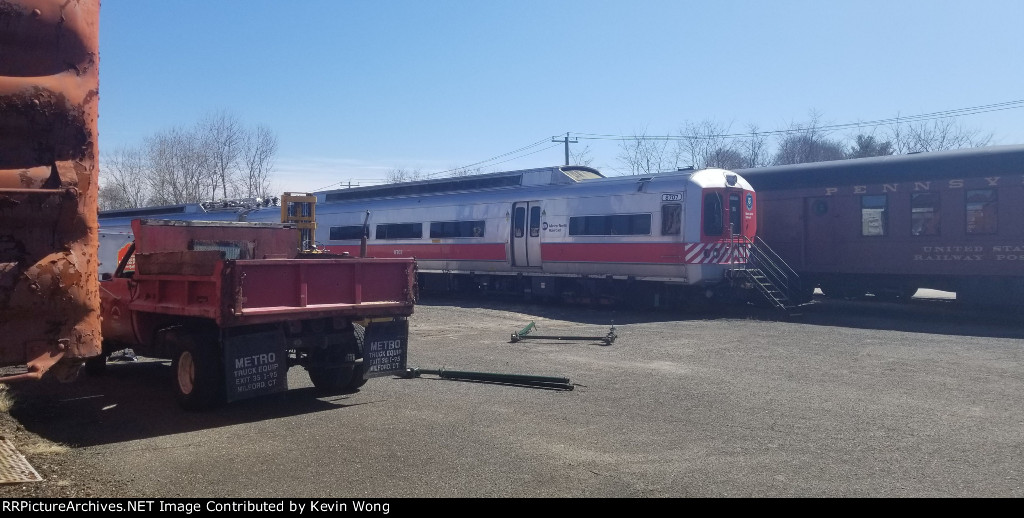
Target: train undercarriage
[(974, 290), (587, 290)]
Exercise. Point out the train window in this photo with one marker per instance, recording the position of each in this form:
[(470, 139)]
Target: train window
[(734, 213), (671, 219), (873, 215), (616, 224), (519, 224), (981, 211), (347, 232), (924, 214), (457, 229), (534, 221), (713, 224), (400, 231)]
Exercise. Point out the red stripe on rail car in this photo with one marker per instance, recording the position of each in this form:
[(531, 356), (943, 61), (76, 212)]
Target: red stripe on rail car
[(646, 253), (451, 251), (656, 253)]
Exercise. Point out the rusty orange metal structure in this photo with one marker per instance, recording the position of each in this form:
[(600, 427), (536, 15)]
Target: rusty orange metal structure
[(49, 88)]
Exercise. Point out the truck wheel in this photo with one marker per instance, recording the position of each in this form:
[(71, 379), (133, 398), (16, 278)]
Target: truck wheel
[(331, 380), (198, 377), (339, 378), (357, 372)]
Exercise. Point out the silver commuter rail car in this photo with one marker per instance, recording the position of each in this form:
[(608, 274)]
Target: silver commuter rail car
[(563, 232)]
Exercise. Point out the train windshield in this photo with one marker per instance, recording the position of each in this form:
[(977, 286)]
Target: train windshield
[(713, 223)]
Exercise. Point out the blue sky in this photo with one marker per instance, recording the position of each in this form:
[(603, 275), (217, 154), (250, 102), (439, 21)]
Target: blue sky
[(355, 88)]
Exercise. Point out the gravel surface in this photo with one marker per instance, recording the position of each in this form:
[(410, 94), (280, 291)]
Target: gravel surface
[(849, 399)]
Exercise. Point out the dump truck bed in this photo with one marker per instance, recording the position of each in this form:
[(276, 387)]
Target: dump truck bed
[(250, 274), (242, 292)]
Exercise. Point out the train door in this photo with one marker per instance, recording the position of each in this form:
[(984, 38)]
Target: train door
[(526, 233), (724, 215), (735, 214), (819, 236)]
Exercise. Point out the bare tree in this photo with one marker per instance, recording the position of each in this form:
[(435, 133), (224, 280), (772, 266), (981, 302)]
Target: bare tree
[(935, 135), (754, 148), (222, 134), (259, 146), (163, 184), (180, 168), (459, 172), (710, 144), (124, 179), (801, 148), (215, 158), (808, 143), (699, 142), (725, 158), (582, 157), (646, 155), (868, 145), (400, 175)]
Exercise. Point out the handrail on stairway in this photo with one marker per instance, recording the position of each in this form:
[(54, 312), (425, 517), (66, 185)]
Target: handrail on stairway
[(781, 276)]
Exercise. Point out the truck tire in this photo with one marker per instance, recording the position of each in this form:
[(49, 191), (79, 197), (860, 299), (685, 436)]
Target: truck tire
[(339, 379), (198, 376), (358, 371)]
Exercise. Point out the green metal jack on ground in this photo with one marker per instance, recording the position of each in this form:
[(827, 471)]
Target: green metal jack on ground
[(524, 334), (495, 377)]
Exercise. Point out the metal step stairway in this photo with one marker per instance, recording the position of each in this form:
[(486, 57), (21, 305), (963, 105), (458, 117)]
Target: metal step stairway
[(771, 276)]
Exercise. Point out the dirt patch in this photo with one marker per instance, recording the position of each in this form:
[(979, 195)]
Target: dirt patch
[(65, 472)]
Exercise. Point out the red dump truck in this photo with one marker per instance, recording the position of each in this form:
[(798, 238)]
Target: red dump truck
[(234, 305)]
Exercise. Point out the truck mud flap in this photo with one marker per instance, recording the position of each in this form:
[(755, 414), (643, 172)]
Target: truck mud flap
[(386, 349), (255, 364)]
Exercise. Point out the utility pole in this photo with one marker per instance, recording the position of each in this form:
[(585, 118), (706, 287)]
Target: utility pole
[(566, 140)]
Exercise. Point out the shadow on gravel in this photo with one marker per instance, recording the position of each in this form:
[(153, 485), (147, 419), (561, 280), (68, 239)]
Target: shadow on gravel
[(934, 316), (597, 314), (134, 400)]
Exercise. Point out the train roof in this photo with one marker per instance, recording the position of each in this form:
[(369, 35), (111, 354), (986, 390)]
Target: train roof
[(936, 165), (554, 175), (235, 206), (477, 188)]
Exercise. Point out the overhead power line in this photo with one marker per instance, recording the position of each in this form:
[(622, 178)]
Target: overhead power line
[(924, 117), (945, 114), (535, 144)]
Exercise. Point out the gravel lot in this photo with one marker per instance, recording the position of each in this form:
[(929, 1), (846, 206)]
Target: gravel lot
[(849, 399)]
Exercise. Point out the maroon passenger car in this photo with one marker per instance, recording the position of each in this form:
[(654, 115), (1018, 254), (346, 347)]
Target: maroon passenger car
[(948, 220)]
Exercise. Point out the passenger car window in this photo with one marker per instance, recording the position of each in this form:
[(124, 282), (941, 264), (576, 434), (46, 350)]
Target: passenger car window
[(873, 215), (924, 214), (671, 219), (981, 211)]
